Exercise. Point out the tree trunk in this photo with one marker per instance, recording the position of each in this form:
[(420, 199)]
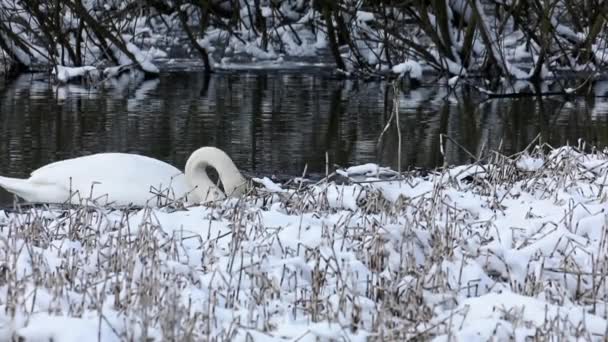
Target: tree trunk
[(331, 34)]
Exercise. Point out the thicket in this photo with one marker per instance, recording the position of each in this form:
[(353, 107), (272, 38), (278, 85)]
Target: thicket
[(525, 39)]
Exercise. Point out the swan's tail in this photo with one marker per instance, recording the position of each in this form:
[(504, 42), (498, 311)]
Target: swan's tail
[(19, 187)]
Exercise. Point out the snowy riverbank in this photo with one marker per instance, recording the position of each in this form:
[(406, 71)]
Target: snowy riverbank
[(509, 249)]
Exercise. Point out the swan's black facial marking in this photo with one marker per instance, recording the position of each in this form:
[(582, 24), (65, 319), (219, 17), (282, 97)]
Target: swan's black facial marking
[(214, 176)]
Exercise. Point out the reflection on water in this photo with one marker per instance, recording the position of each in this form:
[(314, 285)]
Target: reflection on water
[(276, 122)]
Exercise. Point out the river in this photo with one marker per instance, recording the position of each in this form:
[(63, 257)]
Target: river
[(278, 122)]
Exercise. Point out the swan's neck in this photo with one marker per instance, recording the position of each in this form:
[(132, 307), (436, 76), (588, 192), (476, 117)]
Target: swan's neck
[(196, 174)]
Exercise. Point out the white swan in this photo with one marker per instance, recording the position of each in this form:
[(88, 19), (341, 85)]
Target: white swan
[(123, 179)]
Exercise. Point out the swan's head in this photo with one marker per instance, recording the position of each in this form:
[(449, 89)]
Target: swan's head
[(236, 186), (206, 194), (205, 190)]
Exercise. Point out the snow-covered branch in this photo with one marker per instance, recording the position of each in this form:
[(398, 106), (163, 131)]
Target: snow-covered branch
[(491, 38)]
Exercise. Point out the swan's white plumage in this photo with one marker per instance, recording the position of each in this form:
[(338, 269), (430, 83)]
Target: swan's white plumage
[(123, 179)]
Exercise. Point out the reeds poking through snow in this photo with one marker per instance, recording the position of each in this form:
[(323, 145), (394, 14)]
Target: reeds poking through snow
[(509, 249)]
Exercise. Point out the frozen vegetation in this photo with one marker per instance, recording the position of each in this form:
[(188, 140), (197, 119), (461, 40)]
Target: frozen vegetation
[(513, 248), (509, 248), (514, 40)]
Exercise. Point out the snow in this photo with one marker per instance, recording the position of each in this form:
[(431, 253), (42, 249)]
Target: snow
[(412, 68), (508, 251), (493, 310), (364, 16), (369, 168), (64, 74), (521, 52), (528, 163), (453, 81), (44, 327), (268, 184), (144, 58), (266, 11), (567, 31), (393, 191), (449, 65)]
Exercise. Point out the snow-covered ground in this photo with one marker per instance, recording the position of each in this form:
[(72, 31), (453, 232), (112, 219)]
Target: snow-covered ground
[(512, 249)]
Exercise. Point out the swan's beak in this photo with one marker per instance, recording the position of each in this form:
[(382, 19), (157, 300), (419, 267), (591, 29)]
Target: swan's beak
[(215, 194), (211, 195)]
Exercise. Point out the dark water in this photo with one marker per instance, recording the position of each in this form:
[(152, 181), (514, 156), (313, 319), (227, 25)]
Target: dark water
[(276, 122)]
